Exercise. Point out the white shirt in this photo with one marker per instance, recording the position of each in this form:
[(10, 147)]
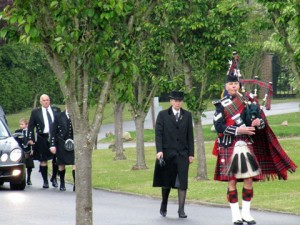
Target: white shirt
[(45, 117), (175, 112)]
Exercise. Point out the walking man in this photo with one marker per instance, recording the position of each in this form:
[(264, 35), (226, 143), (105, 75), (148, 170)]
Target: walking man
[(174, 151), (41, 120)]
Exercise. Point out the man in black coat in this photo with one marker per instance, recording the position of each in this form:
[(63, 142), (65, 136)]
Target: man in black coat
[(174, 140), (41, 119), (62, 145)]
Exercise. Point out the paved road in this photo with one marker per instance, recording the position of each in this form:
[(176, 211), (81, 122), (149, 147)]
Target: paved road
[(276, 109), (37, 206)]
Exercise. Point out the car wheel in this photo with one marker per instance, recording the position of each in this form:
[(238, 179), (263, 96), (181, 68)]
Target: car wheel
[(18, 186)]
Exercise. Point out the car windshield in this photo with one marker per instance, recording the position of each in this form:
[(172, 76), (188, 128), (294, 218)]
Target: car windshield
[(3, 131)]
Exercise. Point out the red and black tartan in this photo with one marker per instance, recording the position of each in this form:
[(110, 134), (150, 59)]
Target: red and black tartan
[(224, 160), (272, 159)]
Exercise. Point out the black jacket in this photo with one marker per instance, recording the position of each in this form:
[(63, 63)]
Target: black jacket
[(176, 141), (36, 121), (173, 137)]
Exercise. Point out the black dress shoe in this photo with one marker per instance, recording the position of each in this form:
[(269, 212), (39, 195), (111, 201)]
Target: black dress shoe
[(163, 210), (54, 182), (182, 214), (250, 222), (163, 213), (238, 222), (45, 185), (29, 182), (62, 189)]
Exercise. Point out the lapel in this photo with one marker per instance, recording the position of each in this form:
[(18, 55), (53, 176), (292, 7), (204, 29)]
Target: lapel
[(40, 115), (173, 119), (181, 115)]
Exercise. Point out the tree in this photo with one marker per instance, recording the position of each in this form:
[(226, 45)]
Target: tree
[(146, 52), (78, 38), (3, 4), (122, 87), (285, 19), (25, 75)]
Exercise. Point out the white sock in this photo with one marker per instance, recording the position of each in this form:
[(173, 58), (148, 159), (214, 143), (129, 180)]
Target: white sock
[(246, 211), (235, 212)]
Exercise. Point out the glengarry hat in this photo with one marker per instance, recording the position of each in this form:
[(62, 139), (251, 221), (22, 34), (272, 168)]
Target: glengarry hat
[(231, 78), (176, 95)]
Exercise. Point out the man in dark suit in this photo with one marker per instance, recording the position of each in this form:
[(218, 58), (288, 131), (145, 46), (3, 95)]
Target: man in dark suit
[(41, 120), (174, 140), (62, 145)]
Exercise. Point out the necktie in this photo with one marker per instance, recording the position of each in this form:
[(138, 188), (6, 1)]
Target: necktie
[(49, 117), (177, 117)]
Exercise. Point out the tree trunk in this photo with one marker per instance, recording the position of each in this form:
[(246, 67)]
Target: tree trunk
[(83, 158), (200, 148), (140, 148), (119, 108), (36, 99)]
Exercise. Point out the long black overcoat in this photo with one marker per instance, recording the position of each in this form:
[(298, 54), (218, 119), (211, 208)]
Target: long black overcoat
[(62, 131), (176, 141)]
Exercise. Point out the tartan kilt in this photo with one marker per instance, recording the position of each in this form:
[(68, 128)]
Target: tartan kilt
[(273, 160), (42, 148), (224, 159)]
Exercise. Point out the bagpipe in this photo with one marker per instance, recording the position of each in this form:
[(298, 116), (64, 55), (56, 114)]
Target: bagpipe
[(247, 84), (250, 89)]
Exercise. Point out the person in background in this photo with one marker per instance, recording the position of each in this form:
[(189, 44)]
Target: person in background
[(53, 178), (174, 140), (246, 149), (40, 125), (62, 144), (23, 140)]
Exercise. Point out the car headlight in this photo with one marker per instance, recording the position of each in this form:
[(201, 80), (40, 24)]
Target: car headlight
[(4, 157), (15, 155)]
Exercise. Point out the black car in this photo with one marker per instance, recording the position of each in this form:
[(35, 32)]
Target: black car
[(12, 159)]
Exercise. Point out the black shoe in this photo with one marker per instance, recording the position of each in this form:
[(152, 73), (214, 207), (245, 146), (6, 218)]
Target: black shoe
[(250, 222), (182, 214), (29, 182), (238, 222), (45, 185), (163, 210), (54, 182), (62, 187)]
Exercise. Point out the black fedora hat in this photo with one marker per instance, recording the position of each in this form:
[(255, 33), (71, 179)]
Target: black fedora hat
[(176, 95)]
